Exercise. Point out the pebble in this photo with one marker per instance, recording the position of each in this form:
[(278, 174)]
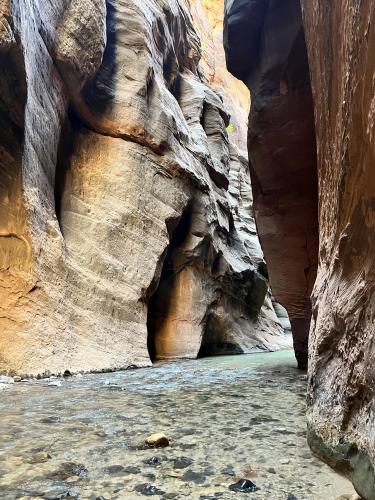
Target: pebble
[(148, 490), (194, 477), (54, 419), (67, 470), (55, 383), (182, 462), (40, 458), (158, 440), (244, 486), (156, 460), (115, 470)]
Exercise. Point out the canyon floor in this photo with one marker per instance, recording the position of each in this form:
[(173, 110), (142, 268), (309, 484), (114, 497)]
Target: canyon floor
[(227, 418)]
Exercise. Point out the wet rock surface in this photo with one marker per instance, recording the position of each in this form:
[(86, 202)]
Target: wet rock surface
[(96, 448), (265, 47)]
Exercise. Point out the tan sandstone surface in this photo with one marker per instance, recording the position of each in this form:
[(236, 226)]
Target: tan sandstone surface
[(340, 40), (119, 181)]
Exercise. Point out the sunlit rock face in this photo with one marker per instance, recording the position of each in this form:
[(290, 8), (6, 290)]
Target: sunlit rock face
[(266, 48), (116, 172), (340, 40)]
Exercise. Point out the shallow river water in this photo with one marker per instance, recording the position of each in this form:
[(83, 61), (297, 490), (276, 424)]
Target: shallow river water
[(227, 418)]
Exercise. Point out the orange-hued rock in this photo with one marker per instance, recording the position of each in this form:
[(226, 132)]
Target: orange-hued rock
[(109, 131), (208, 16), (341, 39), (266, 48)]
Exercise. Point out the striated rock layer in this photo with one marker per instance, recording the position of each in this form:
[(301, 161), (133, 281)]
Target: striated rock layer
[(266, 49), (125, 209), (340, 39)]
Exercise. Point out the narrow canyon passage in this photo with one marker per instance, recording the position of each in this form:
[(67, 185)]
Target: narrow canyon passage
[(226, 418), (148, 221)]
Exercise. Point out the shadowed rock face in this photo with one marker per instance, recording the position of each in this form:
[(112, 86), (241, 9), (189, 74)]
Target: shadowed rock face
[(340, 40), (109, 133), (266, 48)]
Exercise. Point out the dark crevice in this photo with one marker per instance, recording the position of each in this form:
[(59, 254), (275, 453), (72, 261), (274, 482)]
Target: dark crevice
[(159, 296), (215, 341)]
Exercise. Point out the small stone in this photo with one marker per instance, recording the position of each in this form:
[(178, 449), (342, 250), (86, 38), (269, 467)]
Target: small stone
[(228, 471), (291, 497), (158, 440), (54, 419), (156, 460), (40, 458), (59, 495), (132, 469), (244, 486), (17, 379), (194, 477), (67, 470), (6, 380), (148, 490), (115, 470), (54, 383), (182, 462), (285, 461)]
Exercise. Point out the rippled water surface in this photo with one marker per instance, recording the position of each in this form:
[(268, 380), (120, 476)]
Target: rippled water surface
[(227, 418)]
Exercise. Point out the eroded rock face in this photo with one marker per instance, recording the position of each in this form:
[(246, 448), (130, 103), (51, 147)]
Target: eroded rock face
[(340, 41), (266, 48), (110, 135)]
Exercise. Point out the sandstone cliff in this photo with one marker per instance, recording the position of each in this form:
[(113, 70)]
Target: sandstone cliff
[(125, 208), (266, 47)]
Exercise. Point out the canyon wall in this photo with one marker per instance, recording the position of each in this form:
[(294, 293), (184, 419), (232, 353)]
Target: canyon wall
[(340, 38), (126, 225), (341, 41), (266, 49)]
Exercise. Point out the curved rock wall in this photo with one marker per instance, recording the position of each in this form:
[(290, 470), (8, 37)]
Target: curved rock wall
[(110, 134), (266, 48), (340, 39)]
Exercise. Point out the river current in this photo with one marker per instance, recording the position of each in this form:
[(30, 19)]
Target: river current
[(227, 418)]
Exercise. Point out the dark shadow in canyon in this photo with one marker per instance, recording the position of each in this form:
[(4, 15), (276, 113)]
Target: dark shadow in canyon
[(14, 252), (98, 94), (163, 285), (265, 47)]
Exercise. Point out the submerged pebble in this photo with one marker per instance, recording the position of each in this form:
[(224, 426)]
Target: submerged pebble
[(96, 437), (244, 486)]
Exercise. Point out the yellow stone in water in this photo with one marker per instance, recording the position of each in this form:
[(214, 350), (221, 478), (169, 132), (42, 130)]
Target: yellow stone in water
[(159, 440)]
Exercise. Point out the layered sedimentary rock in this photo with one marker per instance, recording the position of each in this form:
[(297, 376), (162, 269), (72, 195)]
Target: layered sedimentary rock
[(340, 40), (117, 171), (266, 48)]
